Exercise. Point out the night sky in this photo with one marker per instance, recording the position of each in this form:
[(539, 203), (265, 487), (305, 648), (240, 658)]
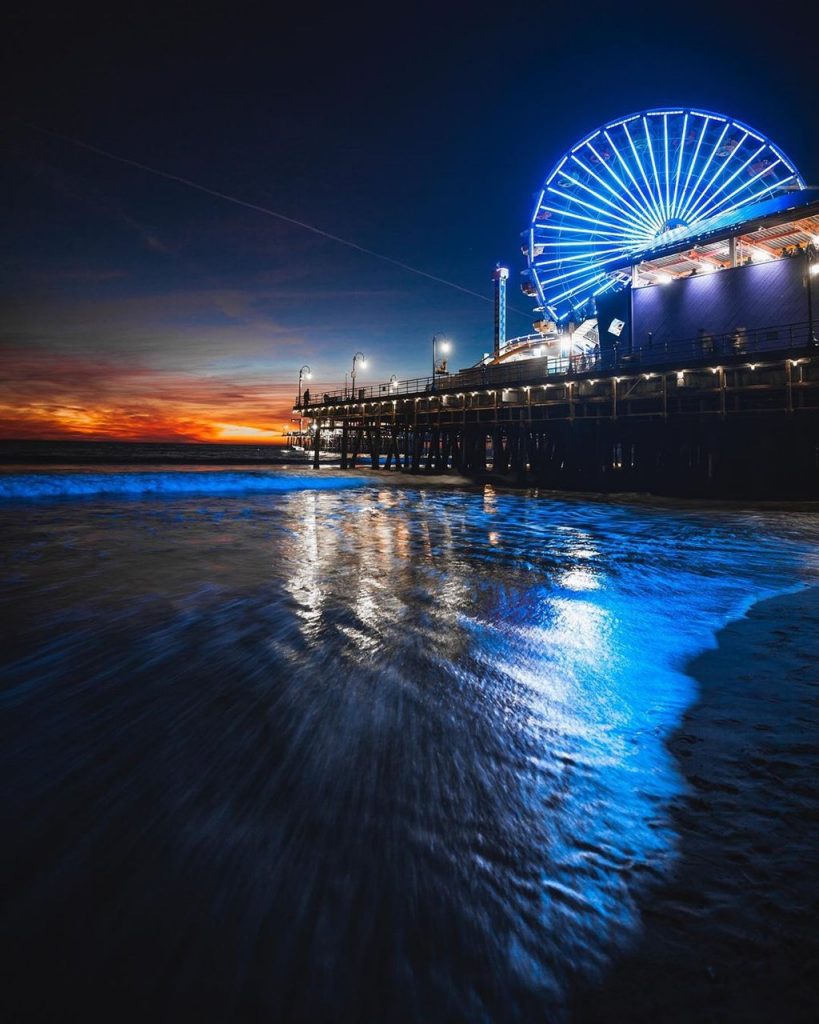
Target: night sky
[(135, 307)]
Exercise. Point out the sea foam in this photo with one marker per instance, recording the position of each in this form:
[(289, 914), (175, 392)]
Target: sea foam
[(27, 486)]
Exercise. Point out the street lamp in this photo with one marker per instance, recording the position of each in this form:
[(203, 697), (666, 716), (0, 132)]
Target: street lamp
[(359, 356), (393, 382), (443, 346), (305, 371)]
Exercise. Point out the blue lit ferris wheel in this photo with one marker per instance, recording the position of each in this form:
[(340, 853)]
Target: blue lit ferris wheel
[(635, 185)]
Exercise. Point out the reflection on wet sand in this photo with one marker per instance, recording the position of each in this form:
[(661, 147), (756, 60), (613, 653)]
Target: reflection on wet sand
[(376, 754)]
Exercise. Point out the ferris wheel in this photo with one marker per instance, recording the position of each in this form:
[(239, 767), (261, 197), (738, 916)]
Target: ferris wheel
[(636, 183)]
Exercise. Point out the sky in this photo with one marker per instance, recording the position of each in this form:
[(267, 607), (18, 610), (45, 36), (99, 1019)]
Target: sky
[(137, 307)]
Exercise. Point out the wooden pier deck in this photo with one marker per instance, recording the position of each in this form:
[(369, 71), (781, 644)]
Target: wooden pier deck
[(724, 416)]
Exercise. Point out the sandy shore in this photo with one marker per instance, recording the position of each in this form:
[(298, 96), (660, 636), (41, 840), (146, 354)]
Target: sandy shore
[(735, 937)]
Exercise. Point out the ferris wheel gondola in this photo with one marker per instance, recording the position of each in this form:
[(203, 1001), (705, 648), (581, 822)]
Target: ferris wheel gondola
[(636, 183)]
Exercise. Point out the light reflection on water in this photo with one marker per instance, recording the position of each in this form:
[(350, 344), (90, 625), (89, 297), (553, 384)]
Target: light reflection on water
[(373, 754)]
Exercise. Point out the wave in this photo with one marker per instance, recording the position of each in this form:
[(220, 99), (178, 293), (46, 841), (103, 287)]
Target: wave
[(26, 486)]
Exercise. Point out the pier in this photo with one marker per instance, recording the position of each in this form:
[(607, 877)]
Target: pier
[(725, 415), (675, 347)]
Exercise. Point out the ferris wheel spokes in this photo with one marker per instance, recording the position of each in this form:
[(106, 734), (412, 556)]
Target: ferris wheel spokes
[(631, 184)]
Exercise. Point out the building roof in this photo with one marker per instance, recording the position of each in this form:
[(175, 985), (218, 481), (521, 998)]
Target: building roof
[(788, 219)]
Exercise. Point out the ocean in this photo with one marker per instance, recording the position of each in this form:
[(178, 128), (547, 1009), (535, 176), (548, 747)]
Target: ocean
[(140, 453), (311, 746)]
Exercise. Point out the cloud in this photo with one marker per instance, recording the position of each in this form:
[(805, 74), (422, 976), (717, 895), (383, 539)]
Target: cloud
[(54, 395), (186, 329), (76, 275)]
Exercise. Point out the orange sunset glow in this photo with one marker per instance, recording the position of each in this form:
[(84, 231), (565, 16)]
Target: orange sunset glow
[(56, 397)]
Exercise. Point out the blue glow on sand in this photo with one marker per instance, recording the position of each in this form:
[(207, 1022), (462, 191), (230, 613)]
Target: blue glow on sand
[(439, 716)]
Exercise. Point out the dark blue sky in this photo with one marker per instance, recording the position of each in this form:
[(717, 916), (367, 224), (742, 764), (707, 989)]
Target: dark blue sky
[(421, 133)]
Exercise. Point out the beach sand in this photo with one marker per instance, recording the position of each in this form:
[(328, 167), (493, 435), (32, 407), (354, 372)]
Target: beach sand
[(735, 936)]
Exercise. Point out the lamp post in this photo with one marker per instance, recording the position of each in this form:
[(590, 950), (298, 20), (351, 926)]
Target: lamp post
[(444, 346), (358, 357), (393, 382), (305, 371)]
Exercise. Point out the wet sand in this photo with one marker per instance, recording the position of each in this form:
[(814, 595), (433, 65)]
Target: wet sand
[(735, 937), (390, 753)]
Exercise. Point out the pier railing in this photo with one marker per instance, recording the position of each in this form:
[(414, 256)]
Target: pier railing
[(703, 349)]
